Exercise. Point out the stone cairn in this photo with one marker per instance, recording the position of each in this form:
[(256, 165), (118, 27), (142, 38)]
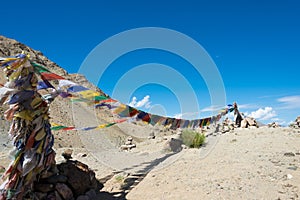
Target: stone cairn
[(273, 125), (128, 144), (69, 180), (249, 122), (296, 123)]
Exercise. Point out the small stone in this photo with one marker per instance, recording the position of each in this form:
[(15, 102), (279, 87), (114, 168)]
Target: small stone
[(82, 155), (55, 179), (184, 146), (289, 154), (51, 196), (128, 142), (91, 194), (124, 147), (151, 137), (131, 146), (40, 195), (64, 191), (44, 187), (289, 176), (57, 196), (129, 138), (292, 168), (67, 154), (83, 197)]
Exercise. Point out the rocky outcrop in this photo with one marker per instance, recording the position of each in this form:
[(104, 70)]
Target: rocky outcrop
[(274, 125), (296, 123), (249, 122)]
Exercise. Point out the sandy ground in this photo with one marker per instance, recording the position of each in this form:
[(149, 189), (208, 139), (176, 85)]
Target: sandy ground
[(261, 163)]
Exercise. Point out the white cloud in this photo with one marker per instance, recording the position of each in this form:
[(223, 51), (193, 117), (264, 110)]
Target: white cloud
[(263, 113), (178, 116), (145, 102), (187, 115), (212, 108), (290, 102)]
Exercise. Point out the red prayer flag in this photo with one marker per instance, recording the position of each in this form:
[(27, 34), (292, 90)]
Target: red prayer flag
[(51, 76)]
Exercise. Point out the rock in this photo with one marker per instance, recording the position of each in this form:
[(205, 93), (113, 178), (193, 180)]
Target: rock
[(173, 145), (44, 187), (40, 195), (124, 147), (82, 155), (289, 154), (184, 146), (274, 125), (64, 191), (51, 196), (251, 121), (67, 154), (289, 176), (91, 194), (292, 168), (80, 177), (55, 179), (128, 142), (244, 123), (151, 137), (57, 196), (83, 197), (129, 138)]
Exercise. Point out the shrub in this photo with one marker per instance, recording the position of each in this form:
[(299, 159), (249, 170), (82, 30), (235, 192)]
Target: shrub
[(192, 139)]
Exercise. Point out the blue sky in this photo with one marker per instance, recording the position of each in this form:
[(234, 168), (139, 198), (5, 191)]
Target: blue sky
[(254, 44)]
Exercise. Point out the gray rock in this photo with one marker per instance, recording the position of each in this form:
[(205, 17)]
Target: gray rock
[(64, 191), (67, 154), (91, 194), (80, 177), (57, 196), (129, 138), (55, 179), (83, 197), (44, 187), (289, 154)]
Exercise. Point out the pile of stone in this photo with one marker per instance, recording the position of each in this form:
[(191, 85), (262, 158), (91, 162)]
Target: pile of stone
[(65, 181), (226, 126), (274, 125), (249, 122), (296, 124), (128, 144)]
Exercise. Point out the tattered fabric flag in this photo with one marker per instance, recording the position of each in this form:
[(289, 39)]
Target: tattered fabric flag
[(144, 116), (39, 68), (21, 96), (50, 76), (65, 94), (63, 83), (88, 94), (44, 85), (77, 88), (128, 112)]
